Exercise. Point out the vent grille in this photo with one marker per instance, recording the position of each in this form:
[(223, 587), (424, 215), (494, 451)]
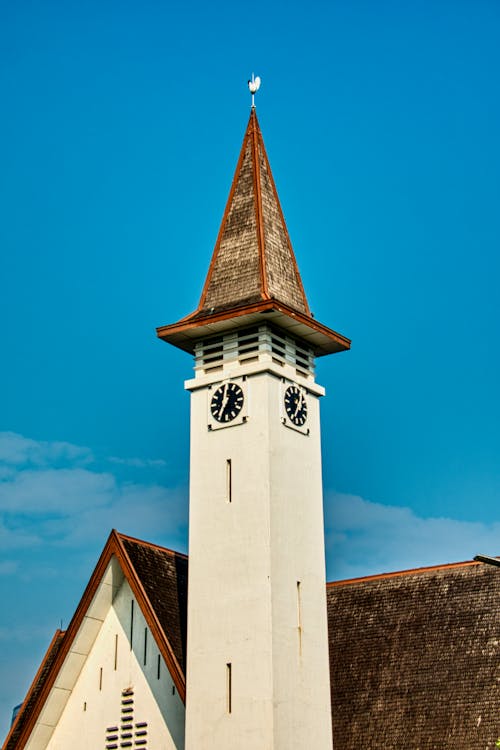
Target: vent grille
[(128, 733)]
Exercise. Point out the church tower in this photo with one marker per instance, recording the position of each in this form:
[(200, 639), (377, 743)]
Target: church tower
[(257, 654)]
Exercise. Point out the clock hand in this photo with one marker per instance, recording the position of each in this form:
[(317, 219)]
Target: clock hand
[(299, 403), (225, 399)]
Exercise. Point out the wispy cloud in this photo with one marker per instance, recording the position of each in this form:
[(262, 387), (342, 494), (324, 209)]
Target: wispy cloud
[(363, 538), (139, 463), (50, 493), (16, 450), (55, 490)]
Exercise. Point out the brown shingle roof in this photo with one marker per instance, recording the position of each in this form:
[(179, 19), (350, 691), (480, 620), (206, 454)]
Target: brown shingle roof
[(163, 574), (253, 260), (415, 660)]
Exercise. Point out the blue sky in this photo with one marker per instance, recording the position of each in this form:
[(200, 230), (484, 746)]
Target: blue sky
[(119, 131)]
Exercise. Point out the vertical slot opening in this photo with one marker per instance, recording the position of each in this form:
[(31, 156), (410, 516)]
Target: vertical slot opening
[(299, 616), (116, 651), (100, 678), (131, 622), (145, 645), (229, 687), (158, 667), (229, 480)]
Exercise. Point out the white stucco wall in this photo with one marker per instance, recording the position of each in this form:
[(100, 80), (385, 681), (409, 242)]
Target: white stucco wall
[(246, 557), (95, 701)]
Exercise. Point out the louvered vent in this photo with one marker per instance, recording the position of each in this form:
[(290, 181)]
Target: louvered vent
[(249, 345), (128, 733)]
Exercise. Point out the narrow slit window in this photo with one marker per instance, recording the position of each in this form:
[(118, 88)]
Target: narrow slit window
[(229, 480), (131, 622), (158, 667), (299, 606), (299, 616), (145, 645), (116, 651), (229, 687), (100, 678)]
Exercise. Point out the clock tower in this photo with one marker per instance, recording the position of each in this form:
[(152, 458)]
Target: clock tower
[(257, 648)]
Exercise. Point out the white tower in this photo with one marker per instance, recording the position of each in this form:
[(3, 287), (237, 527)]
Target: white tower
[(257, 654)]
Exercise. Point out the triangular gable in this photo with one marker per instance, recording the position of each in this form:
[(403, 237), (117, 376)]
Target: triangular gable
[(68, 652)]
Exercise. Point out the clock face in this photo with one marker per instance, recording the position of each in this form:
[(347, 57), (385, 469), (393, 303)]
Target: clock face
[(295, 405), (227, 402)]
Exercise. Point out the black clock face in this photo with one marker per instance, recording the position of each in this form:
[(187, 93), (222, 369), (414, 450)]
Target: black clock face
[(295, 405), (227, 402)]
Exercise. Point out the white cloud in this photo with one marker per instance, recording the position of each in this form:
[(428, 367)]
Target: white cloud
[(363, 538), (55, 491), (16, 450), (47, 496), (139, 463)]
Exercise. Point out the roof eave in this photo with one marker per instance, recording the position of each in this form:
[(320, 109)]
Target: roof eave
[(186, 332)]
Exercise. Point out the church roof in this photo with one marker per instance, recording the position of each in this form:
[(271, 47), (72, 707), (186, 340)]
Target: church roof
[(253, 268), (415, 659), (414, 655), (163, 576)]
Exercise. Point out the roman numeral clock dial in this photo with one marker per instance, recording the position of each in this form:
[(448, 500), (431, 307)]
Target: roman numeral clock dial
[(295, 405), (227, 402)]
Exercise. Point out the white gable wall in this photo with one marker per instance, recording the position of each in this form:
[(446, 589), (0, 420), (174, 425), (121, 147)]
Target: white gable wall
[(95, 701)]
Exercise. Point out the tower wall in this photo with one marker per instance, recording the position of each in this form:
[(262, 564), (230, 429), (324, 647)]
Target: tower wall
[(256, 574)]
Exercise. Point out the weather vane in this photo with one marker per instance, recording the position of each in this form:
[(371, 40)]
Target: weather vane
[(254, 85)]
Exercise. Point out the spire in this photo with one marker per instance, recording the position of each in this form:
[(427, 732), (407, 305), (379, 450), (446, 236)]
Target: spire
[(253, 260), (253, 270)]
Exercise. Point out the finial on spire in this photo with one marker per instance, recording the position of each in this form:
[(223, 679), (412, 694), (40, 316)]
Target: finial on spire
[(254, 85)]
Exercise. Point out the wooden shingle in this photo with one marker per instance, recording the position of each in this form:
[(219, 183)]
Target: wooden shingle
[(253, 259)]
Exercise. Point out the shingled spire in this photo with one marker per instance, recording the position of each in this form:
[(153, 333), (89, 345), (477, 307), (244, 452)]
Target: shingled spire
[(253, 270), (253, 260)]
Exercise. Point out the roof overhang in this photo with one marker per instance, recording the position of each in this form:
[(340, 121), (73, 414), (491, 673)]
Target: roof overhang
[(186, 332)]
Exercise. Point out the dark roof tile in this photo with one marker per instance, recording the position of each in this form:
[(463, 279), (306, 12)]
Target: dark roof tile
[(415, 660), (163, 575)]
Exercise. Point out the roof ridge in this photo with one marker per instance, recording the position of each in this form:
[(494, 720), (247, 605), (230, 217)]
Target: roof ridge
[(397, 573)]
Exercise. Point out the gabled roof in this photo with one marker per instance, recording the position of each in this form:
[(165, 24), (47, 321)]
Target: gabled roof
[(415, 659), (253, 268), (158, 580)]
